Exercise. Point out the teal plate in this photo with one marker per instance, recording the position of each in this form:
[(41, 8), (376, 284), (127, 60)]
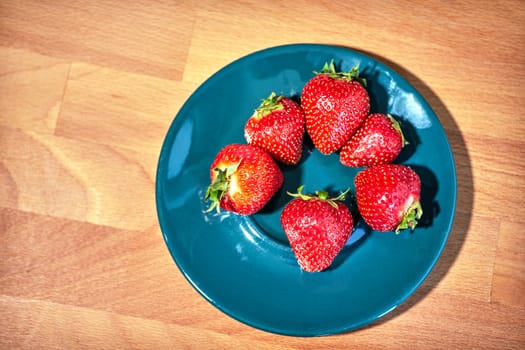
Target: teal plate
[(244, 265)]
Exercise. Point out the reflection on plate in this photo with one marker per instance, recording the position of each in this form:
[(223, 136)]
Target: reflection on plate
[(244, 265)]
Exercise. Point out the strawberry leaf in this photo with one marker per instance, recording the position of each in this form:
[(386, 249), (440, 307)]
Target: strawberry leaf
[(219, 186), (353, 74), (412, 215), (268, 105), (322, 195)]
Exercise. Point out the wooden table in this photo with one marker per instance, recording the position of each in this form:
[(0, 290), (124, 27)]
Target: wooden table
[(88, 91)]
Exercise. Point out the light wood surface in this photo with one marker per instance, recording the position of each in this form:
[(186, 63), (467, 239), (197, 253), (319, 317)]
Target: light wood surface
[(88, 90)]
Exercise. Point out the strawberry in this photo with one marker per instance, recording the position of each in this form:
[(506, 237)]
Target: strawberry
[(378, 141), (317, 228), (277, 126), (243, 179), (335, 104), (388, 197)]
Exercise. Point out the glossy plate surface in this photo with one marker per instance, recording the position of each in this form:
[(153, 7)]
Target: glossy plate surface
[(244, 265)]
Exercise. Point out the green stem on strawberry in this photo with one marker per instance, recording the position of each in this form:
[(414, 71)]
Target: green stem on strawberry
[(219, 186), (322, 195), (352, 74), (397, 126), (268, 105), (412, 215)]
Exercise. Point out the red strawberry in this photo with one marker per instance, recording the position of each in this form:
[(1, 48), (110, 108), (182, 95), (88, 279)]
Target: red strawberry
[(335, 104), (317, 228), (388, 197), (378, 141), (243, 179), (277, 126)]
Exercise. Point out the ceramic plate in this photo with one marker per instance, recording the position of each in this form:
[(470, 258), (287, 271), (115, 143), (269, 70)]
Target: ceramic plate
[(244, 265)]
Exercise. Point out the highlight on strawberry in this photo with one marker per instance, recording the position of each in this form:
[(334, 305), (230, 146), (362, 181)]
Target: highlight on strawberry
[(243, 179), (388, 197), (277, 126), (317, 228)]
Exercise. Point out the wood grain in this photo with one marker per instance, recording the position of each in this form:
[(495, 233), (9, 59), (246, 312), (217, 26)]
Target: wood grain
[(88, 91), (150, 37)]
